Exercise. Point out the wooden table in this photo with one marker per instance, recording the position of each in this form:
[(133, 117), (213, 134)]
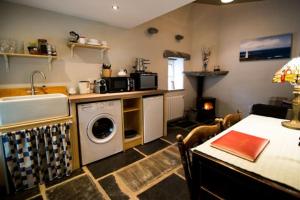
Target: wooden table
[(274, 175)]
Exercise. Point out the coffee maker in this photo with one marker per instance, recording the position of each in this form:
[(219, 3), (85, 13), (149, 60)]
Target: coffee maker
[(100, 86), (140, 65)]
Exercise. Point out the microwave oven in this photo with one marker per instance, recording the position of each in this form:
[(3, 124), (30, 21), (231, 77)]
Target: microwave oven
[(145, 80), (119, 84)]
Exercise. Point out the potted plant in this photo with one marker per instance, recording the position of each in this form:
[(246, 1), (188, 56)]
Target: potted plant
[(106, 70)]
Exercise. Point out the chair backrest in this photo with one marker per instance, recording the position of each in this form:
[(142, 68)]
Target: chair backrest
[(231, 119), (197, 136), (269, 110)]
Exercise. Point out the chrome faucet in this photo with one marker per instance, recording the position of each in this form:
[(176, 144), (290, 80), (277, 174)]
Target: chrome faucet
[(32, 81)]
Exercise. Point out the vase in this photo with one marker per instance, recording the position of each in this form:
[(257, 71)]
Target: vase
[(205, 67), (106, 72)]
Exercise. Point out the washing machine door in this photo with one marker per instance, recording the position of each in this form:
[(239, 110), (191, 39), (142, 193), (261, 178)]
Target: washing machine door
[(101, 129)]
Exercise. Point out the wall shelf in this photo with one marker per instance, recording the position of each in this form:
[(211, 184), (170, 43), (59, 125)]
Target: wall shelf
[(201, 75), (7, 55), (205, 73), (128, 140), (130, 110), (73, 45)]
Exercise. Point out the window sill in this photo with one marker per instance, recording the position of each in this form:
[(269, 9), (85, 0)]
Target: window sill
[(179, 90)]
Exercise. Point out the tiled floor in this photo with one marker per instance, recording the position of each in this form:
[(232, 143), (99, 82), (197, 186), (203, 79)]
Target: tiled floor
[(162, 190), (151, 171), (114, 163)]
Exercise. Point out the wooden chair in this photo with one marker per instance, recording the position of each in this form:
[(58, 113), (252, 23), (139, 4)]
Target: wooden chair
[(197, 136), (231, 119)]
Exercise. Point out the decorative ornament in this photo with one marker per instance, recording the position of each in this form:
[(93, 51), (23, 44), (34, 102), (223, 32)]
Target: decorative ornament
[(205, 57)]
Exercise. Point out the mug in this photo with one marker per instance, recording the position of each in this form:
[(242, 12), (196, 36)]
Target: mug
[(84, 87)]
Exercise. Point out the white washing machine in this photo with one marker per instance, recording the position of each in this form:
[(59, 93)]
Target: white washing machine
[(100, 130)]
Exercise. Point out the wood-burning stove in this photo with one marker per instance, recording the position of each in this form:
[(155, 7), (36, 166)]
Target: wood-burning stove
[(206, 111)]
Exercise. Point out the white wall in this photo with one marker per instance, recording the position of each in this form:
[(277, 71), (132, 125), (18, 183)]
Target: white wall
[(251, 82), (26, 24), (220, 28)]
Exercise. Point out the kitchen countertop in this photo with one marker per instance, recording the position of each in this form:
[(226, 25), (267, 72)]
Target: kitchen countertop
[(81, 98)]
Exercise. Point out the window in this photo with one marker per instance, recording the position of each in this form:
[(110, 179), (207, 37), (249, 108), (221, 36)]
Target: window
[(175, 73)]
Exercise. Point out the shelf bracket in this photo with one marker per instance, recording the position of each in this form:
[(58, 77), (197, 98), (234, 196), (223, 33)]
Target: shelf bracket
[(72, 50), (6, 63), (50, 58)]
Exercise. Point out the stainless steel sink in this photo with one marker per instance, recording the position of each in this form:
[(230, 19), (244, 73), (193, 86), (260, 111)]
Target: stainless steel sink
[(32, 107)]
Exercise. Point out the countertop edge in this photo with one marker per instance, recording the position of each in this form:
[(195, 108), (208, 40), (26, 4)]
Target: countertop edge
[(81, 98)]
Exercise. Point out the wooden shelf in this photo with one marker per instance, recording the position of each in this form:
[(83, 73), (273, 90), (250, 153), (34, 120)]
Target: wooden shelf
[(138, 136), (132, 142), (201, 75), (205, 73), (132, 120), (131, 110), (6, 55), (73, 45)]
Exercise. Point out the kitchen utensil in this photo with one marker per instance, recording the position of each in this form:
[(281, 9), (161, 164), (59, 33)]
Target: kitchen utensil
[(106, 72), (84, 87)]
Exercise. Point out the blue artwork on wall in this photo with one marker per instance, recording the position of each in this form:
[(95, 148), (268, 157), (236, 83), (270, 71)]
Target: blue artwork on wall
[(266, 48)]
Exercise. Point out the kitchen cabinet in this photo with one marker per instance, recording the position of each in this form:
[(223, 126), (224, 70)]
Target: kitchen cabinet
[(132, 111), (132, 122), (153, 110)]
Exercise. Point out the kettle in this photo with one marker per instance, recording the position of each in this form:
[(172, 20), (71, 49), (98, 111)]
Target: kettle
[(122, 72), (73, 36)]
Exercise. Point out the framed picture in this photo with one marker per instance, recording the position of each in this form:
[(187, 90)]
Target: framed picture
[(266, 48)]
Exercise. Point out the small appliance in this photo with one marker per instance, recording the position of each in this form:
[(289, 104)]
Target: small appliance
[(119, 84), (100, 86), (145, 80), (73, 36), (140, 64)]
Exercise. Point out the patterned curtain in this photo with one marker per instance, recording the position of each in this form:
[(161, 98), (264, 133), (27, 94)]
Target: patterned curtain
[(38, 155)]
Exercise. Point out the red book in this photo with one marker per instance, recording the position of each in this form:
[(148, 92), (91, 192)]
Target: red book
[(240, 144)]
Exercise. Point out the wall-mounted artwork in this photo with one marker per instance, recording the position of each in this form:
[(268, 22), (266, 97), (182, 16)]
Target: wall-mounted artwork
[(266, 48)]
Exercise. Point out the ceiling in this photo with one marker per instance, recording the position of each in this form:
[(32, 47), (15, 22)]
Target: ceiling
[(218, 2), (130, 14)]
